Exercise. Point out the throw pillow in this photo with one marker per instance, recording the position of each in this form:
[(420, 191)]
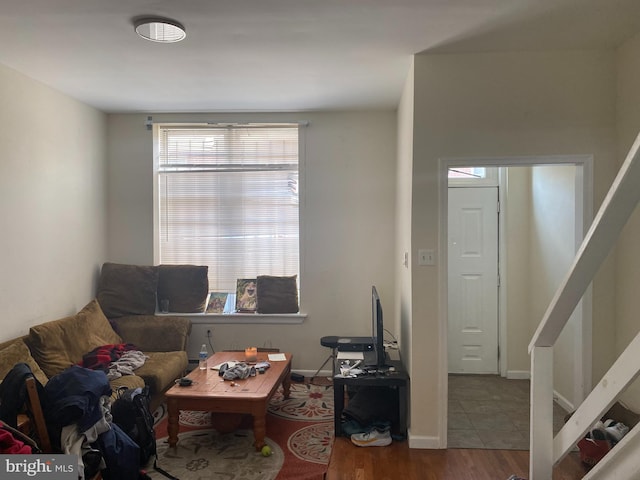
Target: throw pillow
[(185, 287), (127, 289), (18, 352), (277, 294), (58, 344)]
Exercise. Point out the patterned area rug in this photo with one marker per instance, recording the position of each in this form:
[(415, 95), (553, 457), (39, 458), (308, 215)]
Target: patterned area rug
[(307, 402), (209, 454), (299, 432)]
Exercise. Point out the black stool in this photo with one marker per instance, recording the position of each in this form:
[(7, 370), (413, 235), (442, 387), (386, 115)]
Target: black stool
[(332, 343)]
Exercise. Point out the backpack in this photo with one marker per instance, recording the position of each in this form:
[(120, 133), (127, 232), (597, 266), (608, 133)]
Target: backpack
[(120, 453), (132, 414)]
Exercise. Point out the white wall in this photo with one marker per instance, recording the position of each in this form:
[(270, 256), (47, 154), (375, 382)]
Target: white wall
[(52, 203), (627, 313), (497, 105), (518, 282), (348, 214), (552, 250)]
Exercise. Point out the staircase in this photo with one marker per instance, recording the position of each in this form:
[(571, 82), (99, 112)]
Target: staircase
[(623, 461)]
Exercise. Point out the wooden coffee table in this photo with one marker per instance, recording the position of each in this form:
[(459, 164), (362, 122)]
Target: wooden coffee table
[(210, 393)]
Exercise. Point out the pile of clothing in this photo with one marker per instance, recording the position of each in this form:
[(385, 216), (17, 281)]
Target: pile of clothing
[(13, 441), (237, 371), (115, 360), (79, 411)]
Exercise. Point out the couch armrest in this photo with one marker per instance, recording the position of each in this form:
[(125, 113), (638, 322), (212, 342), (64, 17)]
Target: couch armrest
[(153, 333)]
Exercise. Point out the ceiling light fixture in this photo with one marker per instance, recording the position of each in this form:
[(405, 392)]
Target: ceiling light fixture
[(158, 29)]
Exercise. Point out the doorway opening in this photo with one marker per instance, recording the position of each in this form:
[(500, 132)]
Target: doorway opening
[(539, 180)]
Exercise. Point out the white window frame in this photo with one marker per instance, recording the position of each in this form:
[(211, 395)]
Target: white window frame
[(236, 318)]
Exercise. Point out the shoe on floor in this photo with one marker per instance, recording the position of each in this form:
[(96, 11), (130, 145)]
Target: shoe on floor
[(373, 438), (615, 429)]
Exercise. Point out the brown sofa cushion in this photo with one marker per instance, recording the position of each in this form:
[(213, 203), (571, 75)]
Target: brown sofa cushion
[(185, 287), (161, 369), (277, 294), (127, 289), (58, 344), (154, 333), (18, 352)]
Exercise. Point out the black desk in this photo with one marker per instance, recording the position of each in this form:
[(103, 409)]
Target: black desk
[(398, 380)]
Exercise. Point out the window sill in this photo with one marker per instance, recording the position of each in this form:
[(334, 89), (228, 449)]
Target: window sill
[(241, 318)]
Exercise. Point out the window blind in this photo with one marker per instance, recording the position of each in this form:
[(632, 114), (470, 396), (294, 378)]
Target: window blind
[(228, 198)]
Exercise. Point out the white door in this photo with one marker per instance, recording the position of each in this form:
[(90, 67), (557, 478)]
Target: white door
[(473, 280)]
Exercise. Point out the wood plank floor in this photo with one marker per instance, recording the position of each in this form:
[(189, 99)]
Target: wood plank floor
[(397, 460)]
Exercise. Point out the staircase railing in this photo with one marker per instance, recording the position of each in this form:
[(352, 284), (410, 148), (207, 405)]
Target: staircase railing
[(545, 450)]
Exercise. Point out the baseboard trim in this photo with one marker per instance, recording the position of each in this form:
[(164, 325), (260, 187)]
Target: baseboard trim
[(309, 373), (424, 442), (518, 375)]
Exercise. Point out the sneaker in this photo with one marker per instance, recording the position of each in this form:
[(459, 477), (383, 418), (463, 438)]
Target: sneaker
[(598, 431), (598, 434), (373, 438), (616, 430)]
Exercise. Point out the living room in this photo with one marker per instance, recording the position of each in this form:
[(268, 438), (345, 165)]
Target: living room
[(77, 190)]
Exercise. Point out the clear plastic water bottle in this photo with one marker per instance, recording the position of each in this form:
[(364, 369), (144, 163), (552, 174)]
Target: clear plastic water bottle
[(203, 357)]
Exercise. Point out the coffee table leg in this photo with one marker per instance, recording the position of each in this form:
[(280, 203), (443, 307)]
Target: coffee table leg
[(259, 430), (286, 384), (173, 415)]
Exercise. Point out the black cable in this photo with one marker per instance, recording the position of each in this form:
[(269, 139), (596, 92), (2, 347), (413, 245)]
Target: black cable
[(395, 341), (391, 335), (209, 340)]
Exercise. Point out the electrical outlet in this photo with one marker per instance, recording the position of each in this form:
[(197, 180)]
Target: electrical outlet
[(426, 257)]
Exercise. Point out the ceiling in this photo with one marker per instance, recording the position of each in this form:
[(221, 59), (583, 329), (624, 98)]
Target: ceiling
[(280, 55)]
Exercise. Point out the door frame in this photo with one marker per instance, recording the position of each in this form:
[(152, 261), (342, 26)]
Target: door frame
[(584, 218)]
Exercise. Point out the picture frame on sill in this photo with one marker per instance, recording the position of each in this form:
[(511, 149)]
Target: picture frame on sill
[(246, 295), (216, 302)]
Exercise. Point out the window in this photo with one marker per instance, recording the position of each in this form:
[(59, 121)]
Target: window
[(472, 176), (467, 172), (228, 198)]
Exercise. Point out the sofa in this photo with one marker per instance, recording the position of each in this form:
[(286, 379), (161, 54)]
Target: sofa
[(123, 312), (51, 347)]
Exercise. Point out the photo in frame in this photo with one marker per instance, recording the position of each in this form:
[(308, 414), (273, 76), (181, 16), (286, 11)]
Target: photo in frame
[(216, 302), (246, 295)]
